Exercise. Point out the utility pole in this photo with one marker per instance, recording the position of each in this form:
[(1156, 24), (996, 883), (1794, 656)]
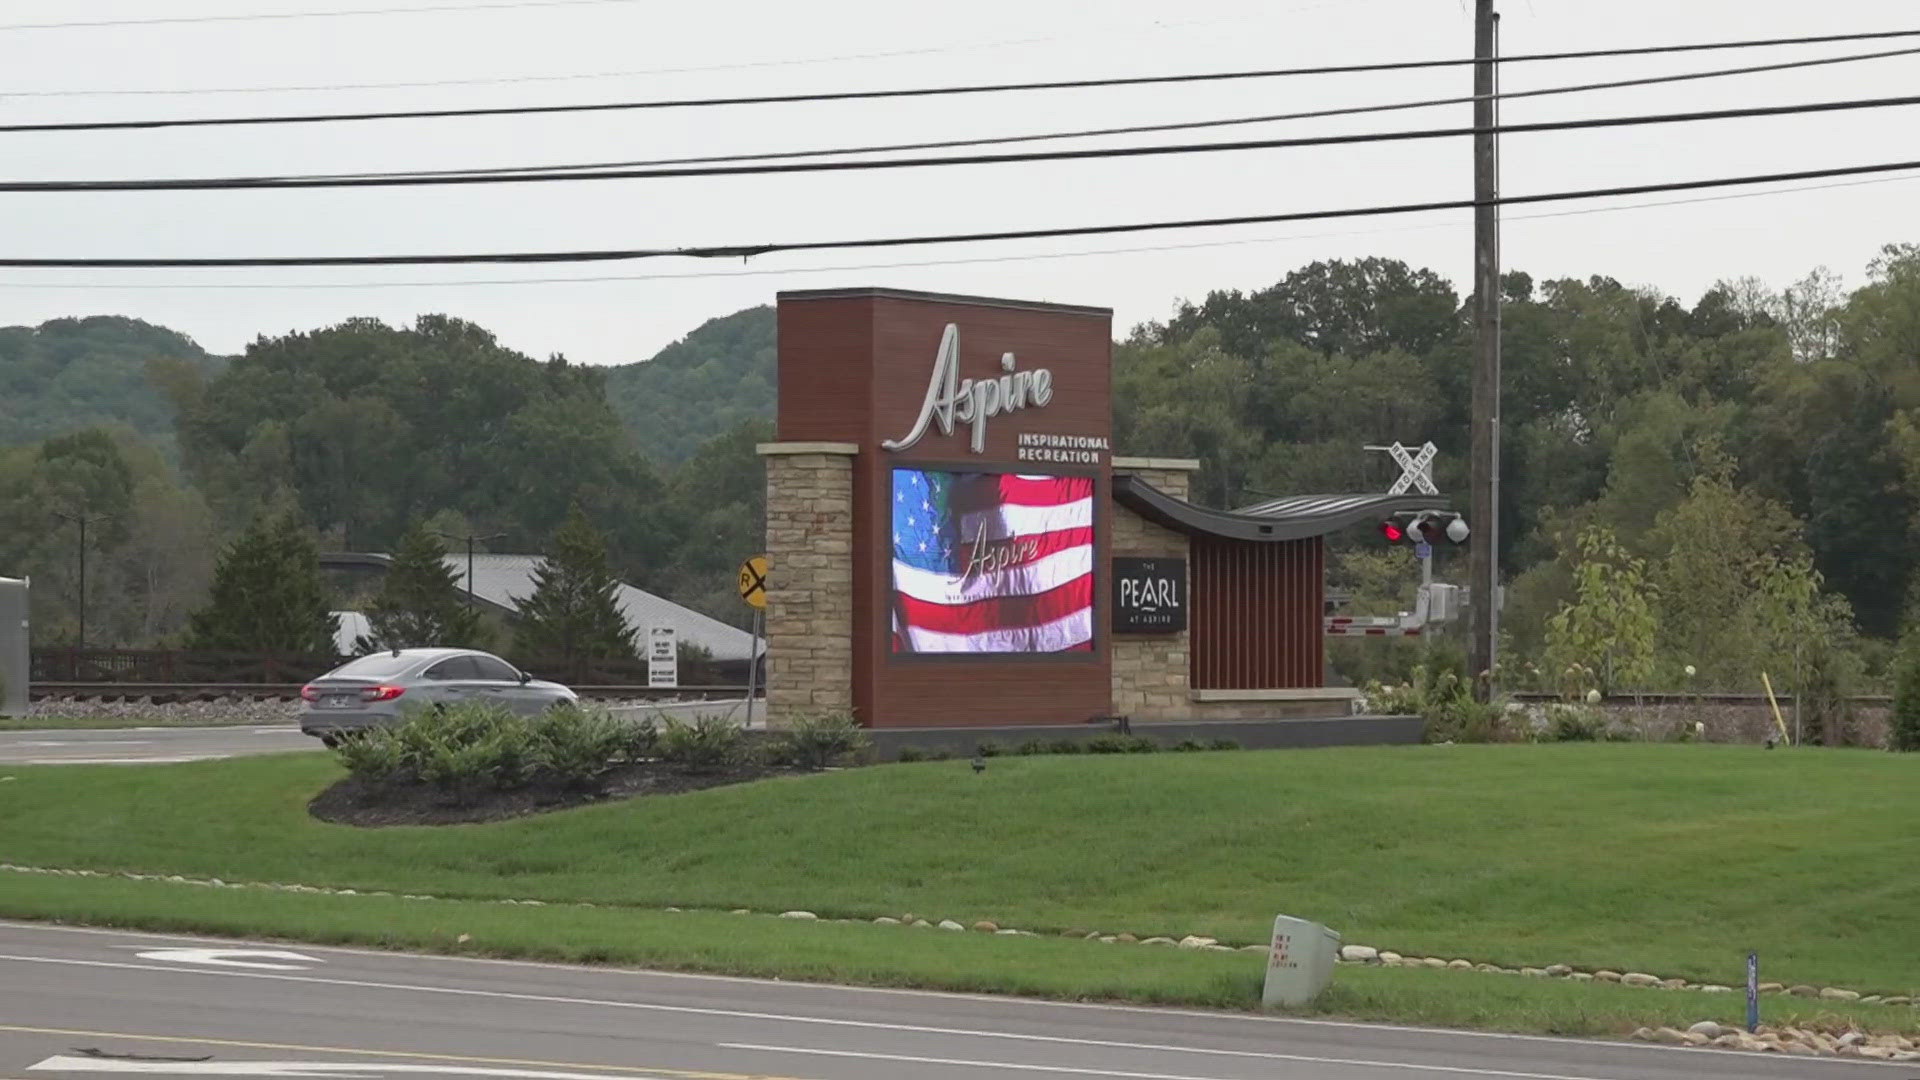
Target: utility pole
[(81, 519), (1483, 560), (469, 539)]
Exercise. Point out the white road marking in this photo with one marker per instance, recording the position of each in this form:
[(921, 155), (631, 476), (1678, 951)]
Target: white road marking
[(116, 760), (1026, 1067), (745, 1014), (84, 742), (966, 1063), (333, 1070), (239, 958)]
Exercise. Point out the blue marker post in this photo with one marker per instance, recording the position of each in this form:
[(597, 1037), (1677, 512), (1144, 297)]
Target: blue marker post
[(1753, 991)]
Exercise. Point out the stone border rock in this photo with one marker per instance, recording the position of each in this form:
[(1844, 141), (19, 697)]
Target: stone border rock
[(1780, 1040), (1800, 1041)]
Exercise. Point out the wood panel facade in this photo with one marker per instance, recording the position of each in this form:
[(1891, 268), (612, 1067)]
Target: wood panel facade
[(1256, 614)]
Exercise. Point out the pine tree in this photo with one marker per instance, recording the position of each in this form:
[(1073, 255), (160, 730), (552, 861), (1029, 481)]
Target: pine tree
[(421, 603), (1906, 698), (572, 613), (267, 595)]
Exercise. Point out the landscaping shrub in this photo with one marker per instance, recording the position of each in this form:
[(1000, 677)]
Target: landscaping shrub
[(1140, 744), (1188, 746), (1030, 748), (1223, 744), (1575, 723), (912, 753), (709, 743), (989, 748), (1445, 701), (465, 749), (574, 746), (818, 740), (460, 749), (1107, 744), (1066, 746), (373, 756)]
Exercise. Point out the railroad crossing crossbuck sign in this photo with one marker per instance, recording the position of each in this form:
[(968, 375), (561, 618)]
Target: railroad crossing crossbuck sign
[(753, 581), (1415, 471)]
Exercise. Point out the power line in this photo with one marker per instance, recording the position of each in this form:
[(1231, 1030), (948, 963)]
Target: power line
[(162, 20), (747, 251), (927, 91), (1188, 125), (738, 66), (919, 263), (270, 183)]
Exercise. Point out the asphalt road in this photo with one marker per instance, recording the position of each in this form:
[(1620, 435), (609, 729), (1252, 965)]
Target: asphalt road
[(147, 745), (75, 1004)]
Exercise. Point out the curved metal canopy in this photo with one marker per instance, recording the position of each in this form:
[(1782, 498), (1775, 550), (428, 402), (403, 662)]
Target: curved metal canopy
[(1297, 517)]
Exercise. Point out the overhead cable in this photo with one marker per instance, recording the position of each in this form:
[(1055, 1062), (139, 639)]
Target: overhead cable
[(257, 16), (1139, 249), (270, 183), (747, 251), (1141, 129), (927, 91)]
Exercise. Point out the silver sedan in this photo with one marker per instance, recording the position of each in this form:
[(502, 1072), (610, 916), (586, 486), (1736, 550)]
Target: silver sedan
[(381, 689)]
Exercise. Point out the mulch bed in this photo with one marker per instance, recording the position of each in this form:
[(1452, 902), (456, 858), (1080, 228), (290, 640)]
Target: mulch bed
[(356, 802)]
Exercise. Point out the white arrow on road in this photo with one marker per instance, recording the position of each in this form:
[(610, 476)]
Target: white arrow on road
[(331, 1070), (239, 958)]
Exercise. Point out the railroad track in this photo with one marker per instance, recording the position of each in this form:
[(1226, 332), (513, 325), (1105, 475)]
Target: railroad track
[(170, 692)]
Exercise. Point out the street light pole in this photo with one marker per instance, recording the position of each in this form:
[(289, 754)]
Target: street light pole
[(469, 540)]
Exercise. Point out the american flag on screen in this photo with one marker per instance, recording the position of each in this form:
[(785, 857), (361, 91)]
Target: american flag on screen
[(990, 563)]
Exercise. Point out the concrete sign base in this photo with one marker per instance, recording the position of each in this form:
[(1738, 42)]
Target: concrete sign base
[(1300, 961)]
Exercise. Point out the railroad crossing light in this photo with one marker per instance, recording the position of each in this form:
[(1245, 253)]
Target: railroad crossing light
[(1427, 527)]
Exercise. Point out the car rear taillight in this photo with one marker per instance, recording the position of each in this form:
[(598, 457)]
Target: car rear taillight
[(382, 693), (308, 693)]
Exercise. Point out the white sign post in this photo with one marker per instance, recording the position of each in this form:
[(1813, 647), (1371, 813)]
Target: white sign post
[(663, 658)]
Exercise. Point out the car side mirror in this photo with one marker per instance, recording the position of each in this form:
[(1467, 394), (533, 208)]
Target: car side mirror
[(525, 678)]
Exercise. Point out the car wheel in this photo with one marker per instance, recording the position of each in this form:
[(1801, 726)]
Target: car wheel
[(331, 742)]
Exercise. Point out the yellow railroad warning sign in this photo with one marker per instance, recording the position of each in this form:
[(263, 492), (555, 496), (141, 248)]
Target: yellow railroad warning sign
[(753, 581)]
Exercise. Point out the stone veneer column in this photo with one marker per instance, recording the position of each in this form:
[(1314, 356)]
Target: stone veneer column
[(809, 615), (1150, 670)]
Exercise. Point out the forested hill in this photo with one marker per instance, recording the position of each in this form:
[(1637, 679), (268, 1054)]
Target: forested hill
[(708, 382), (68, 374)]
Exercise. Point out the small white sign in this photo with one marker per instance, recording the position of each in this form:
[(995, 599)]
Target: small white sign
[(663, 657)]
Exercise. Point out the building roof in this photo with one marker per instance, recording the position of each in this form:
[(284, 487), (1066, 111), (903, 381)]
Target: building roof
[(352, 626), (943, 298), (503, 581), (1296, 517)]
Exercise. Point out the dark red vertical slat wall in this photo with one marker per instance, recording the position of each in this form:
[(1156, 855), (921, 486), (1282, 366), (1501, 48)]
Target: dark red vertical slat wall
[(1257, 615)]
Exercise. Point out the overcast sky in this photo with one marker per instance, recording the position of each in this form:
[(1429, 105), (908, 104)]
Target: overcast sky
[(747, 47)]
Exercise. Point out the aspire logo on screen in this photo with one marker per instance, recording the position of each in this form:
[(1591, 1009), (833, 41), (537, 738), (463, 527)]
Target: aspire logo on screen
[(951, 399)]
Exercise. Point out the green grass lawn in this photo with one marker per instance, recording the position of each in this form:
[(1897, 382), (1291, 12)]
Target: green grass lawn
[(1669, 859), (893, 956)]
